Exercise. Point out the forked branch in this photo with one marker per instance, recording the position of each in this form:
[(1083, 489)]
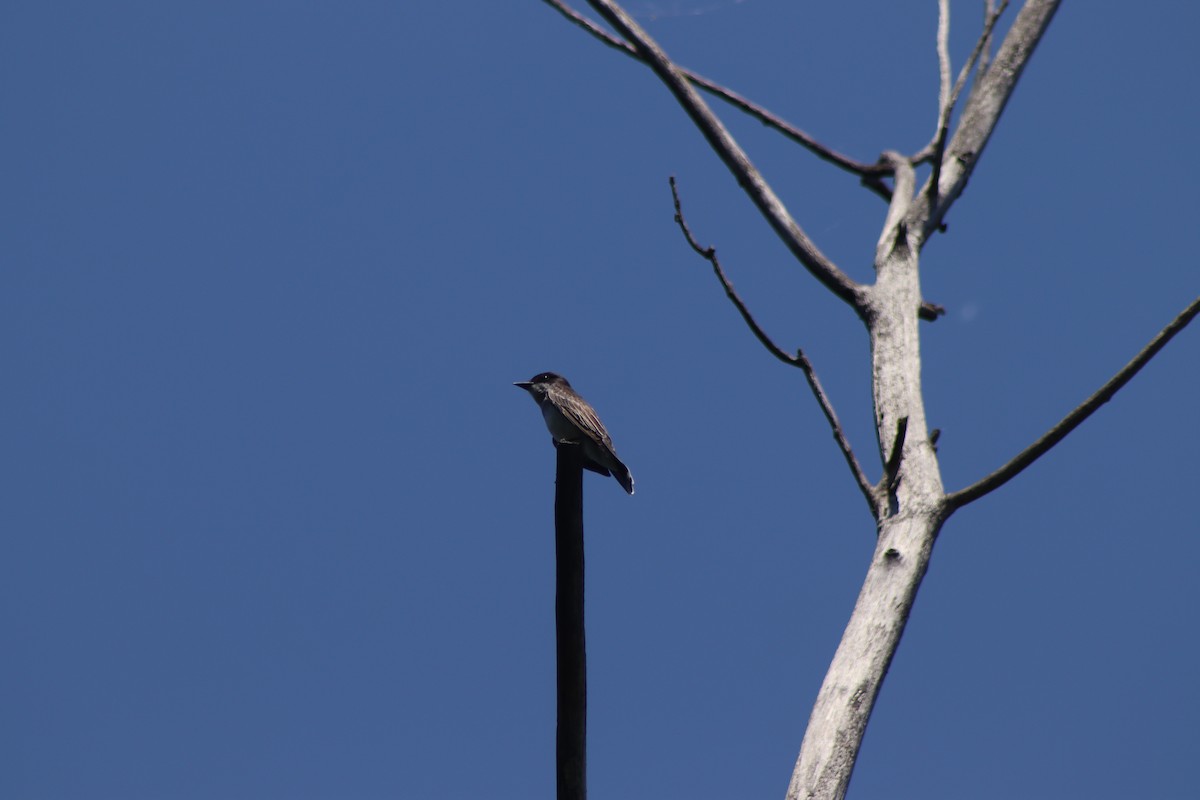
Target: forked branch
[(989, 95), (747, 175), (935, 151), (869, 173), (799, 360), (1073, 420)]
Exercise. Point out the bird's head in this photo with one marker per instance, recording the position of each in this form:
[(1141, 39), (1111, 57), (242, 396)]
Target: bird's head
[(540, 384)]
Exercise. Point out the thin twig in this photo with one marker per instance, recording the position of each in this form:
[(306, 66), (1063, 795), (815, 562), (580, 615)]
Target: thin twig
[(980, 52), (990, 15), (870, 173), (943, 54), (736, 160), (938, 145), (799, 360), (710, 254), (1071, 421), (839, 435)]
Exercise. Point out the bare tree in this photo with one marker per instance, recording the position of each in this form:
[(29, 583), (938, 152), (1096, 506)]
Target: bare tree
[(909, 503)]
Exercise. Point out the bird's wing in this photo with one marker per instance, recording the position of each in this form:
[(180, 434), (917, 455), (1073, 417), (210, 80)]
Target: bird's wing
[(584, 418), (589, 464)]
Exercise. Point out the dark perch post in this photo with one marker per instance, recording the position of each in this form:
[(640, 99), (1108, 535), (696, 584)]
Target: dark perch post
[(568, 615)]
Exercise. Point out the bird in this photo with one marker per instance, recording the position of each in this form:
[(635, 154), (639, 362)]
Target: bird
[(571, 420)]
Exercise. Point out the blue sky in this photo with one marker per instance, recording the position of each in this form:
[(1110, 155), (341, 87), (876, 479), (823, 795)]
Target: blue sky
[(276, 524)]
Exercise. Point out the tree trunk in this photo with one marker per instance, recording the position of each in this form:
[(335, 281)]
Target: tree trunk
[(906, 532)]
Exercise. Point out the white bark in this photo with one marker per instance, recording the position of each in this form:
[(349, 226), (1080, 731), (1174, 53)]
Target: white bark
[(917, 506), (844, 704), (907, 530)]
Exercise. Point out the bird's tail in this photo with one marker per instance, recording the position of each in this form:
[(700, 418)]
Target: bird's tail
[(621, 473)]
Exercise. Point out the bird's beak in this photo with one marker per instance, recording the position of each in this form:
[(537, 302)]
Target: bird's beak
[(526, 385)]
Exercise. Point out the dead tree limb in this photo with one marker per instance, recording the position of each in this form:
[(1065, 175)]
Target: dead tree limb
[(747, 175), (870, 174), (1070, 422), (799, 360), (989, 96)]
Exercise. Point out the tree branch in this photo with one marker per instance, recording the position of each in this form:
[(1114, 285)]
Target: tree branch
[(747, 175), (944, 101), (943, 54), (710, 254), (985, 53), (980, 51), (895, 225), (930, 311), (799, 360), (936, 149), (869, 173), (988, 98), (839, 435), (1072, 421)]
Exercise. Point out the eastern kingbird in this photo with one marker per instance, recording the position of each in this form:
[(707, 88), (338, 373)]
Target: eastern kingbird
[(570, 419)]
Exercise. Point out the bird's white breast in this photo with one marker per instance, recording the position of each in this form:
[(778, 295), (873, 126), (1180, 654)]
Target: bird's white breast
[(560, 427)]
